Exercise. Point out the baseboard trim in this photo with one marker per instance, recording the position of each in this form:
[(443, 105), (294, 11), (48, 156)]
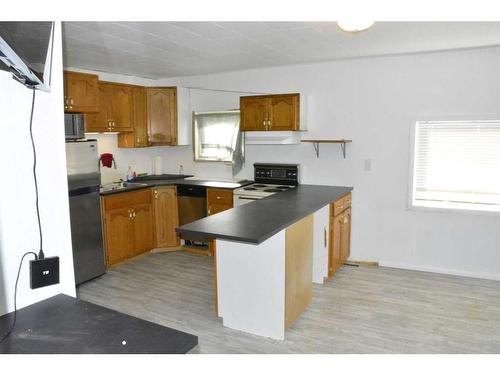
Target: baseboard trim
[(476, 275)]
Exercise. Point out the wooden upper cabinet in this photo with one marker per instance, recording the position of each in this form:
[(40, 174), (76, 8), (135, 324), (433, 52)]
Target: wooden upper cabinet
[(162, 115), (219, 200), (270, 112), (100, 121), (139, 136), (115, 109), (253, 113), (284, 112), (121, 107), (166, 216), (80, 92)]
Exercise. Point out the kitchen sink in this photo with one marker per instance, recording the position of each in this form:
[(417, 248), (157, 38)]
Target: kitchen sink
[(121, 185)]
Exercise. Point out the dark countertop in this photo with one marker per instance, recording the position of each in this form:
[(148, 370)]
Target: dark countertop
[(152, 181), (257, 221), (66, 325)]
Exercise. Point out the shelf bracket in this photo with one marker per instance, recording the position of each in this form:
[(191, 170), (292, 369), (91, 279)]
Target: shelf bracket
[(316, 148), (343, 144), (343, 147)]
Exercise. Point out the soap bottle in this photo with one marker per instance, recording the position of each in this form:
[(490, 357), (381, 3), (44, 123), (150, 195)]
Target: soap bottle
[(130, 174)]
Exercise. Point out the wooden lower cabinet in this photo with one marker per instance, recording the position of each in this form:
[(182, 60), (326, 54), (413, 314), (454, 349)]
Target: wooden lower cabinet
[(219, 200), (142, 219), (166, 216), (119, 236), (339, 242), (346, 235), (128, 225)]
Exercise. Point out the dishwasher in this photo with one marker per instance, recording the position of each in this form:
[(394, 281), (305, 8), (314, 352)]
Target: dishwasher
[(192, 202)]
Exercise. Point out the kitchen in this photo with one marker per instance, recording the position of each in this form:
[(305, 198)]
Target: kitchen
[(259, 208), (153, 211)]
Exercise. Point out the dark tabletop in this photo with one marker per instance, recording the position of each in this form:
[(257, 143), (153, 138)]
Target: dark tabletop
[(66, 325), (257, 221)]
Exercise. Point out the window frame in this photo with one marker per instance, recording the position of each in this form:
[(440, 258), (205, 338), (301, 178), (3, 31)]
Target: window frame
[(411, 161), (193, 132)]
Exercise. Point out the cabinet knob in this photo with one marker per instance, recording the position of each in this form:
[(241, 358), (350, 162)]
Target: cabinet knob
[(219, 197)]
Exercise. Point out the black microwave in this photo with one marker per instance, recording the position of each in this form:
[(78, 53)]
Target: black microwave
[(74, 125)]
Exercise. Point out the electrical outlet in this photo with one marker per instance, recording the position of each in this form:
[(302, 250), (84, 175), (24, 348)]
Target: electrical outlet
[(44, 272)]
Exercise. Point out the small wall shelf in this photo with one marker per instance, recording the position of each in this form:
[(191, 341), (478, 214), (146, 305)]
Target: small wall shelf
[(317, 142)]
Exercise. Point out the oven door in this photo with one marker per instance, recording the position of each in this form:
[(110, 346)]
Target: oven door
[(240, 200)]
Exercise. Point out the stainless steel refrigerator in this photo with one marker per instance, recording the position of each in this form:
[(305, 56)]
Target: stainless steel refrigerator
[(84, 181)]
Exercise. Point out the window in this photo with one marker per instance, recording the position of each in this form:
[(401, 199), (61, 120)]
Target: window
[(456, 165), (216, 136)]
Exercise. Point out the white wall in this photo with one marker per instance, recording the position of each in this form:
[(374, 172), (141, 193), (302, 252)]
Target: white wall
[(373, 102), (18, 225)]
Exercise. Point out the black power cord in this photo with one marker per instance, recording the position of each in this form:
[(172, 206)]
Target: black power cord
[(15, 296), (40, 255)]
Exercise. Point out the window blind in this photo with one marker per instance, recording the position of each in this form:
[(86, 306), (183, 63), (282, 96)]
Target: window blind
[(457, 165), (217, 135)]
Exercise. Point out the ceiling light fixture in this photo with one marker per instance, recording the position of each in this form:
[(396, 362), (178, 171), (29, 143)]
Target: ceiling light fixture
[(354, 26)]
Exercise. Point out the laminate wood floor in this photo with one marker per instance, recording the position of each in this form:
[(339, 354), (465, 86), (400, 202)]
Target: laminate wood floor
[(360, 310)]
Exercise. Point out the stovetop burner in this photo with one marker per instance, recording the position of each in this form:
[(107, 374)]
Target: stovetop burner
[(283, 187), (259, 185), (249, 188)]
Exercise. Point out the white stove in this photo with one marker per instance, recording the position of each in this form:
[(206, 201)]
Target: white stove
[(269, 179)]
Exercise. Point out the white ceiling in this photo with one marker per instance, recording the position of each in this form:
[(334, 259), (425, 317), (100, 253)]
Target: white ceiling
[(170, 49)]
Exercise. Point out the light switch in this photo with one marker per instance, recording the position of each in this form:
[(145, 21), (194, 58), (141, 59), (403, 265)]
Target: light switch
[(368, 165)]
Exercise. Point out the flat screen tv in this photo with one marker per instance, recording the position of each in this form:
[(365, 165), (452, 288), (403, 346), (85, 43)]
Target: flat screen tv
[(26, 52)]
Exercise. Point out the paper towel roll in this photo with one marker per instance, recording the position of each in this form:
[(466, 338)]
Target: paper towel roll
[(157, 166)]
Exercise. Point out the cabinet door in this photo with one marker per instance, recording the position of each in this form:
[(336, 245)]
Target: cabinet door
[(118, 234), (335, 245), (139, 136), (219, 200), (80, 92), (143, 228), (100, 121), (346, 235), (254, 113), (284, 112), (166, 216), (162, 116), (121, 107)]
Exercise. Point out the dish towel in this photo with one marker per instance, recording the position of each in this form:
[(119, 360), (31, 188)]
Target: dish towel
[(107, 160)]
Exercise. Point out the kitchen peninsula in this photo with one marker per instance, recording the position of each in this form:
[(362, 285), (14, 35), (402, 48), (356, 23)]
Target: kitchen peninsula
[(265, 252)]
